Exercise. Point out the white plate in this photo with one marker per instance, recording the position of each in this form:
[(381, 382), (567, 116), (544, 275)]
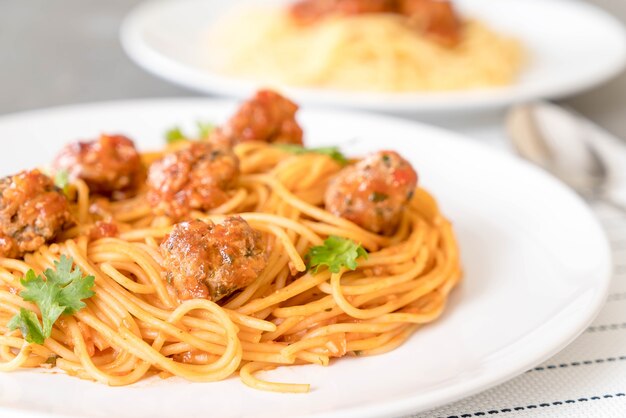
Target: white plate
[(573, 46), (536, 271)]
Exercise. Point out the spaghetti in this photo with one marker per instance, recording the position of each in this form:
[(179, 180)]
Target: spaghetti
[(370, 52), (134, 326)]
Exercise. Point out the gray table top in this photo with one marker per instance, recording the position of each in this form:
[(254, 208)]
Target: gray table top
[(67, 51)]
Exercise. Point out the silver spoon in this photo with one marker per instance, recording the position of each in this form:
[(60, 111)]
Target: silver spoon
[(562, 143)]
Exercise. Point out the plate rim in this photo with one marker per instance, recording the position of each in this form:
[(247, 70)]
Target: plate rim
[(408, 404), (208, 82)]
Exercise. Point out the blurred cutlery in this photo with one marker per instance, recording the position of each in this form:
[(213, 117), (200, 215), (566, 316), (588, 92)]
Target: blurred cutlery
[(570, 147)]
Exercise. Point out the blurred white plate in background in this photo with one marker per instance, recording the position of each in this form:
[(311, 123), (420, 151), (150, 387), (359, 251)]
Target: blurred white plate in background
[(536, 265), (573, 46)]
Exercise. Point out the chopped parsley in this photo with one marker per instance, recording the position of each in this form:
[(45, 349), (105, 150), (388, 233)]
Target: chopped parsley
[(387, 160), (62, 180), (174, 135), (332, 152), (378, 197), (335, 253), (61, 292), (52, 360), (204, 129)]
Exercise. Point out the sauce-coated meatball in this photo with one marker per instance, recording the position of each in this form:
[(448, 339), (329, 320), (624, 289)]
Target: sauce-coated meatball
[(372, 193), (110, 165), (32, 212), (309, 11), (435, 18), (210, 261), (196, 177), (267, 117)]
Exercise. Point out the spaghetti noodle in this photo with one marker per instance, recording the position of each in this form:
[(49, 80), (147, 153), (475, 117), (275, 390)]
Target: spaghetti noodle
[(134, 326), (371, 52)]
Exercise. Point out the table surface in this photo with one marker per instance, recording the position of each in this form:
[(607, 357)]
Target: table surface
[(67, 51)]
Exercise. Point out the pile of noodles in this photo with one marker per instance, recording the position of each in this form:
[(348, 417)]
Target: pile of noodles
[(370, 52), (134, 327)]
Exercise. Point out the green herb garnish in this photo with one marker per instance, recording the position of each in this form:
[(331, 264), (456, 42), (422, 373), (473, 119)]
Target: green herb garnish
[(52, 360), (62, 180), (378, 197), (335, 253), (387, 160), (204, 129), (332, 152), (174, 135), (61, 292)]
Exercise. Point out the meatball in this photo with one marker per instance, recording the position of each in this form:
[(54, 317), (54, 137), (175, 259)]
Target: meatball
[(309, 11), (435, 18), (373, 192), (196, 177), (32, 212), (210, 261), (267, 117), (110, 165)]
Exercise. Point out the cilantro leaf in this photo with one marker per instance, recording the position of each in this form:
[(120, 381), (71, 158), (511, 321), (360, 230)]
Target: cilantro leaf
[(72, 295), (335, 253), (204, 129), (332, 152), (60, 293), (174, 135), (62, 180), (28, 324)]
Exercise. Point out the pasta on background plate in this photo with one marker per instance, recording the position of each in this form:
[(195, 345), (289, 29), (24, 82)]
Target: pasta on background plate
[(371, 45)]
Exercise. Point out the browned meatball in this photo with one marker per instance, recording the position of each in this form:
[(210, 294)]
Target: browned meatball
[(210, 261), (32, 212), (110, 165), (437, 19), (372, 193), (196, 177), (309, 11), (267, 117)]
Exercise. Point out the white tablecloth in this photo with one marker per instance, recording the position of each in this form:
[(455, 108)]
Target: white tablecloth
[(586, 379)]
